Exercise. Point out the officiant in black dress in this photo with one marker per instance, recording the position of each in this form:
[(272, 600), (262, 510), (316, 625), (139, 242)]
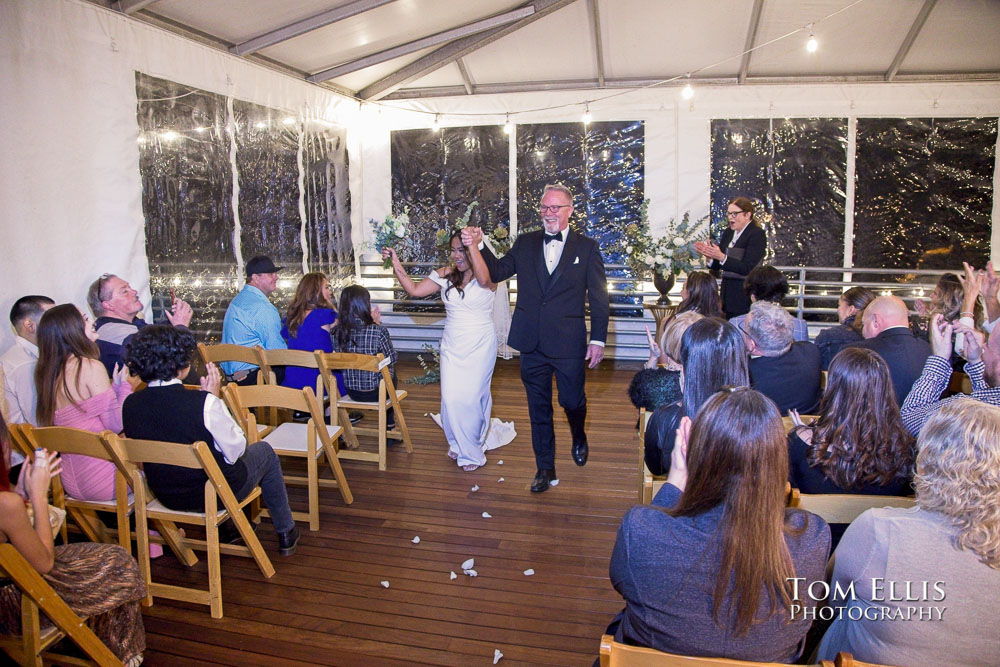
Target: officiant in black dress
[(740, 250)]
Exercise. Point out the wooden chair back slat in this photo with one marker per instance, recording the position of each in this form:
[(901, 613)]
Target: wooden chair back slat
[(844, 507), (615, 654), (339, 361), (66, 440), (270, 395), (227, 352)]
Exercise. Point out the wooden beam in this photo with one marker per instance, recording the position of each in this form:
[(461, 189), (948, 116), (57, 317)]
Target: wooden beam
[(424, 42), (595, 14), (470, 88), (911, 36), (457, 49), (306, 25), (758, 9)]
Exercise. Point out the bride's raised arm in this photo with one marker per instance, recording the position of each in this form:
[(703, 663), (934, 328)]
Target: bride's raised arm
[(474, 236), (425, 287)]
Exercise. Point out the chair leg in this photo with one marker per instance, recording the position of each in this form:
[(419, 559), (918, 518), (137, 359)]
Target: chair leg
[(381, 436), (214, 564), (253, 543), (350, 437), (142, 547), (338, 473), (401, 425), (312, 472), (172, 536), (86, 523), (31, 632)]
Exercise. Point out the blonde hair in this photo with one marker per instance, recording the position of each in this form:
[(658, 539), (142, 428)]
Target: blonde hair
[(958, 473), (673, 333)]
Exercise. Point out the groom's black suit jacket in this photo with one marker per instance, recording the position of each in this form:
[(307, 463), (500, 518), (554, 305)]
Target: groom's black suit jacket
[(550, 313)]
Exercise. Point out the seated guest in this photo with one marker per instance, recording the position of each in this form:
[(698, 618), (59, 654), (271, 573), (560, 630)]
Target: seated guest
[(832, 340), (659, 383), (782, 368), (359, 330), (307, 327), (253, 320), (885, 328), (701, 295), (983, 369), (18, 366), (766, 283), (100, 582), (74, 390), (950, 543), (712, 356), (116, 306), (957, 301), (166, 411), (859, 443), (705, 570)]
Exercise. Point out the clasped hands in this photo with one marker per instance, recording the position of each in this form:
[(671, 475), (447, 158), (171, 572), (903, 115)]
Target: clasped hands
[(710, 250), (472, 236)]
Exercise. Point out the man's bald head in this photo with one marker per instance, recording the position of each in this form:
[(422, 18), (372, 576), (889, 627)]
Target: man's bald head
[(883, 313)]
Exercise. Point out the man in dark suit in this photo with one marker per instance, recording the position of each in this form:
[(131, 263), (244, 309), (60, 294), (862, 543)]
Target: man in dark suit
[(886, 328), (559, 271), (740, 250), (782, 368)]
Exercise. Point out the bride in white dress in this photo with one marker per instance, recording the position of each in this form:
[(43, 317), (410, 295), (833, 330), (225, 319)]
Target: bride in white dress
[(468, 354)]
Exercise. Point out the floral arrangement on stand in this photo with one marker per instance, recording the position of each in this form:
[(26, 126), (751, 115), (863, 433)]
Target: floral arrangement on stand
[(389, 231), (666, 256)]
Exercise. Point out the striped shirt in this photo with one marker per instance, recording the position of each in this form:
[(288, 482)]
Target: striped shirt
[(372, 339), (251, 320), (922, 401)]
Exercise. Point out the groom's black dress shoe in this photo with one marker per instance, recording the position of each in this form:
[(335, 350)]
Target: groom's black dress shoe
[(580, 452), (542, 480)]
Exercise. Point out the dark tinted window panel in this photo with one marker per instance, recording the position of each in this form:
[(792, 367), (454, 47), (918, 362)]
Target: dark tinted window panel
[(924, 193), (796, 169)]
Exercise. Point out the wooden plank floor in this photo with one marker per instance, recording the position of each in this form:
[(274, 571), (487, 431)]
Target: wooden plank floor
[(326, 606)]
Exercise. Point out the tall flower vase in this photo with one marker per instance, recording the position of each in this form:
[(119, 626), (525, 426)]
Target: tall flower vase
[(663, 286)]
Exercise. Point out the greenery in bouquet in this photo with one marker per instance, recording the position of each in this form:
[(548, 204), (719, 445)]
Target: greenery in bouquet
[(499, 238), (388, 232), (432, 369), (672, 253)]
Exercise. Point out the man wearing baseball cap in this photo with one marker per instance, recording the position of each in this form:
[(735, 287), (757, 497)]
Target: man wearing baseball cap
[(253, 320)]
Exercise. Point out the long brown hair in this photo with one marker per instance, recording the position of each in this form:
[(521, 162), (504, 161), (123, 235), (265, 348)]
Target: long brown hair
[(308, 297), (859, 437), (454, 276), (737, 458), (947, 300), (61, 336), (702, 295)]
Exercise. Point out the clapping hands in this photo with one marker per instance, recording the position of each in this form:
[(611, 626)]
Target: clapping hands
[(180, 313), (710, 250), (212, 379)]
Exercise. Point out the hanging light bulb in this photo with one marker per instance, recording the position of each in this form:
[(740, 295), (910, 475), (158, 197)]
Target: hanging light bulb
[(586, 118), (436, 125), (507, 127), (811, 43)]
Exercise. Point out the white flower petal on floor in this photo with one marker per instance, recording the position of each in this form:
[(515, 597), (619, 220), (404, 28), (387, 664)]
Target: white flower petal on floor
[(416, 540), (487, 515), (453, 576), (500, 462), (529, 572), (554, 482), (469, 564), (499, 481), (385, 584), (496, 656), (475, 488), (471, 573)]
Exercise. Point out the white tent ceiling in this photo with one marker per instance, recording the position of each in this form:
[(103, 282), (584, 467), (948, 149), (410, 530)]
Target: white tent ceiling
[(421, 48)]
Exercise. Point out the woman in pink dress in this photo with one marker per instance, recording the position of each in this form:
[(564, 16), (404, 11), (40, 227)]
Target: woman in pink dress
[(74, 390)]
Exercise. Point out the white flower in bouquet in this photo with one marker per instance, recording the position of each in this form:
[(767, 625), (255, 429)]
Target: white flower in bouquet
[(668, 252), (649, 260), (660, 259), (628, 249), (679, 241)]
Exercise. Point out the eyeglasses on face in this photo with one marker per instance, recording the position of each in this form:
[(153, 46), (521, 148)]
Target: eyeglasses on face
[(733, 214), (553, 209)]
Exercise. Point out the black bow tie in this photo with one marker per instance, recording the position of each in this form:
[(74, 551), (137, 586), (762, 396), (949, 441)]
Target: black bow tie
[(553, 237)]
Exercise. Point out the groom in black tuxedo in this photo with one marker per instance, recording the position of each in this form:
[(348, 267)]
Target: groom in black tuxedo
[(558, 271)]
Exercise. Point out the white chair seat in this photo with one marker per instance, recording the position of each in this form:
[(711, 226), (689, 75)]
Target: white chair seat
[(291, 437), (155, 507), (348, 402)]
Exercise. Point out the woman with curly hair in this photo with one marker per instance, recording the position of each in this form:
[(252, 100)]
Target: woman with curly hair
[(307, 325), (100, 582), (944, 553), (701, 295), (707, 568), (74, 390), (468, 355)]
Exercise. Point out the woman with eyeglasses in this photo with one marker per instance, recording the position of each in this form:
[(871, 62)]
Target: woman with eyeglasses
[(468, 355), (708, 568), (739, 251)]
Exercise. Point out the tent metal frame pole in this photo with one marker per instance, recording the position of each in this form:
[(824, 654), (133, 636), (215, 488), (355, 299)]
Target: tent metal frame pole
[(752, 29), (470, 87), (911, 37), (595, 14)]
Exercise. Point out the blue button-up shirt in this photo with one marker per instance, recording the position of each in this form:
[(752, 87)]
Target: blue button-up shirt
[(251, 320)]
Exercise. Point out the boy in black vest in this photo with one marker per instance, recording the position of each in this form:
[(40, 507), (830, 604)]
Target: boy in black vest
[(166, 411)]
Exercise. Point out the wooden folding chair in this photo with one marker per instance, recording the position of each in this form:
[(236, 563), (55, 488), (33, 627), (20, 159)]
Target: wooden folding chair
[(649, 484), (129, 455), (844, 507), (313, 440), (216, 354), (268, 359), (67, 440), (615, 654), (31, 648), (389, 396)]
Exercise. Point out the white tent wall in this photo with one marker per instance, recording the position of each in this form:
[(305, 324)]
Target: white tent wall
[(70, 189), (677, 132)]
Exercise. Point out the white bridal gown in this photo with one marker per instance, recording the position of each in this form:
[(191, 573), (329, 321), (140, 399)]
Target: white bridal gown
[(468, 353)]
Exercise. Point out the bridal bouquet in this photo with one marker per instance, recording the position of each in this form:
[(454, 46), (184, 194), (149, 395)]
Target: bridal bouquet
[(669, 254), (389, 231)]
